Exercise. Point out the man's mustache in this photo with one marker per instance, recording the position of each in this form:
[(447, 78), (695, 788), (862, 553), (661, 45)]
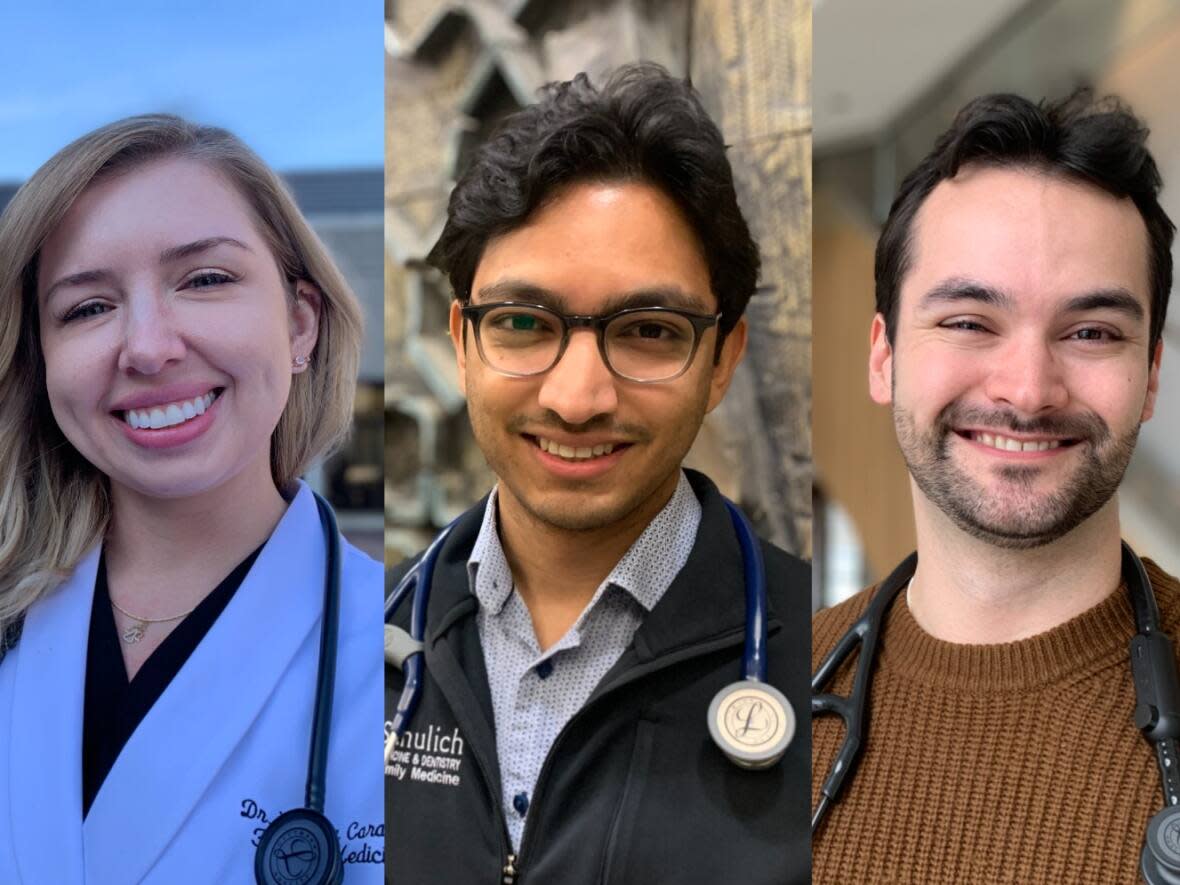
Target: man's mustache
[(604, 424), (1087, 425)]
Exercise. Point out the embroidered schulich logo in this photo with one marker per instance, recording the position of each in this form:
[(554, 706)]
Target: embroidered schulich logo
[(431, 756)]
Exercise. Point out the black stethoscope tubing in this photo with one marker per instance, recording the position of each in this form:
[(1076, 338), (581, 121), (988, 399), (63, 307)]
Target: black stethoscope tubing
[(304, 836), (321, 720), (866, 631), (1157, 704)]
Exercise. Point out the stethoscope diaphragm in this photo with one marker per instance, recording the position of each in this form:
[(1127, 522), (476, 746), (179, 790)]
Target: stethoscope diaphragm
[(299, 848), (1160, 859), (752, 722)]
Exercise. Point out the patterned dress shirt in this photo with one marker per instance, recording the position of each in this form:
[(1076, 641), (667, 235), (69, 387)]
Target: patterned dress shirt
[(535, 693)]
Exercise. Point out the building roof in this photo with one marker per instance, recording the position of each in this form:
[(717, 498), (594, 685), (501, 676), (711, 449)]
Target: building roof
[(7, 189), (338, 190), (319, 192)]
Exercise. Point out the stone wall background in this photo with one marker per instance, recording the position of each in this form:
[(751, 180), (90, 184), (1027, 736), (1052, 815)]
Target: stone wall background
[(453, 70)]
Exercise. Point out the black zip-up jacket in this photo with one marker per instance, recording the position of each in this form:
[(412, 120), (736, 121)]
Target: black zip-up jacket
[(633, 791)]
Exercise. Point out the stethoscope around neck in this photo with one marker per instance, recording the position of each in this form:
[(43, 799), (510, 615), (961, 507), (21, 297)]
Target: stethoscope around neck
[(1157, 705), (300, 847), (750, 720)]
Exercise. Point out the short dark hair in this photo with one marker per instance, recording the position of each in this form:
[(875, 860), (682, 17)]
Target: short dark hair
[(1100, 142), (643, 125)]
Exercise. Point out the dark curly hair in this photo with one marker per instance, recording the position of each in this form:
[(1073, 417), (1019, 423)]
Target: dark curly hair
[(1100, 142), (643, 125)]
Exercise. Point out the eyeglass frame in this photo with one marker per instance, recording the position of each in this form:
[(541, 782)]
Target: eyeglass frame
[(700, 323)]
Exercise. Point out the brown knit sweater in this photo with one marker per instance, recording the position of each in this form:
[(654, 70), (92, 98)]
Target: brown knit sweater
[(992, 763)]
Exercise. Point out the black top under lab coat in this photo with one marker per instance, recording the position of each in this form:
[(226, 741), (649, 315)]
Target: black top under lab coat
[(113, 706)]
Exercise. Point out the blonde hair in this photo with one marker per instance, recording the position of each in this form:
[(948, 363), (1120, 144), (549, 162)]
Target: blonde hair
[(54, 506)]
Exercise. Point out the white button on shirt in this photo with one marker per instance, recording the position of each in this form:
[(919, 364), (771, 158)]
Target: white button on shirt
[(535, 694)]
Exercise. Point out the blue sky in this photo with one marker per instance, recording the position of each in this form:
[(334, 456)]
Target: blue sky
[(300, 82)]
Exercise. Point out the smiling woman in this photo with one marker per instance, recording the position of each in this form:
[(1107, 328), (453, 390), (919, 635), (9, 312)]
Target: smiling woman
[(169, 309), (176, 349), (56, 504)]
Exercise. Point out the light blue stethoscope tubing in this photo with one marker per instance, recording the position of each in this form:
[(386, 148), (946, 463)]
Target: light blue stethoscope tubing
[(417, 582)]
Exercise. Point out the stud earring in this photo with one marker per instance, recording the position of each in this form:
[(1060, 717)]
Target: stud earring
[(299, 362)]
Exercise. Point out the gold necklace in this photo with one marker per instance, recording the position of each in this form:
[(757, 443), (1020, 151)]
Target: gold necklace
[(133, 633)]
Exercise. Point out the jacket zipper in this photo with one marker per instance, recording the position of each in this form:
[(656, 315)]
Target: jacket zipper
[(509, 871), (513, 862)]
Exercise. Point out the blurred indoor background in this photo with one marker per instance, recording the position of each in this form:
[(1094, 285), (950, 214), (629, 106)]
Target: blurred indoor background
[(453, 71), (302, 85), (888, 79)]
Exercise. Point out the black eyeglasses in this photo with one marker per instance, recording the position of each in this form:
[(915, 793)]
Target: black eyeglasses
[(644, 344)]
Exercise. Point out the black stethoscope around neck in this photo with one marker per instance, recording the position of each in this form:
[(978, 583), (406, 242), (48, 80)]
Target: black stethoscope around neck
[(750, 720), (1157, 705), (299, 847)]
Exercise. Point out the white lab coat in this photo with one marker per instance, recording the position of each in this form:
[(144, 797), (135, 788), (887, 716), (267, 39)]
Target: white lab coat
[(226, 742)]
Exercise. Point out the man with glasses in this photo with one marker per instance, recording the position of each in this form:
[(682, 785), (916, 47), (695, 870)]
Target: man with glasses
[(583, 617)]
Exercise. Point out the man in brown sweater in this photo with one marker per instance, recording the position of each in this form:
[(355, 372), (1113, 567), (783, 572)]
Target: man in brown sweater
[(1022, 281)]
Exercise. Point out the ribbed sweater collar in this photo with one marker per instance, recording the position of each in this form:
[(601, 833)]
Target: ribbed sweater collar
[(1093, 639)]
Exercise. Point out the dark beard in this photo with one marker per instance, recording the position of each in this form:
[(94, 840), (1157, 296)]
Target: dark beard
[(1029, 521)]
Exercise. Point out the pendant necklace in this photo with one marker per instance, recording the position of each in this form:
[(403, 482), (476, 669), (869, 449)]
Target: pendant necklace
[(134, 632)]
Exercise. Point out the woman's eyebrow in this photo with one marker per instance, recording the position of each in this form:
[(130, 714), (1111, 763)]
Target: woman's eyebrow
[(187, 250), (82, 278)]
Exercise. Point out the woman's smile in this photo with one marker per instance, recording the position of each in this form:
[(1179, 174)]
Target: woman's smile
[(173, 424), (169, 414)]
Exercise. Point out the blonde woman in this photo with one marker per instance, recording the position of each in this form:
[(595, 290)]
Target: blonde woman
[(176, 348)]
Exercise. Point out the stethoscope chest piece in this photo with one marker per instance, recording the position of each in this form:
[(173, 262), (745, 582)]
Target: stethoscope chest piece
[(1160, 860), (299, 848), (752, 722)]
